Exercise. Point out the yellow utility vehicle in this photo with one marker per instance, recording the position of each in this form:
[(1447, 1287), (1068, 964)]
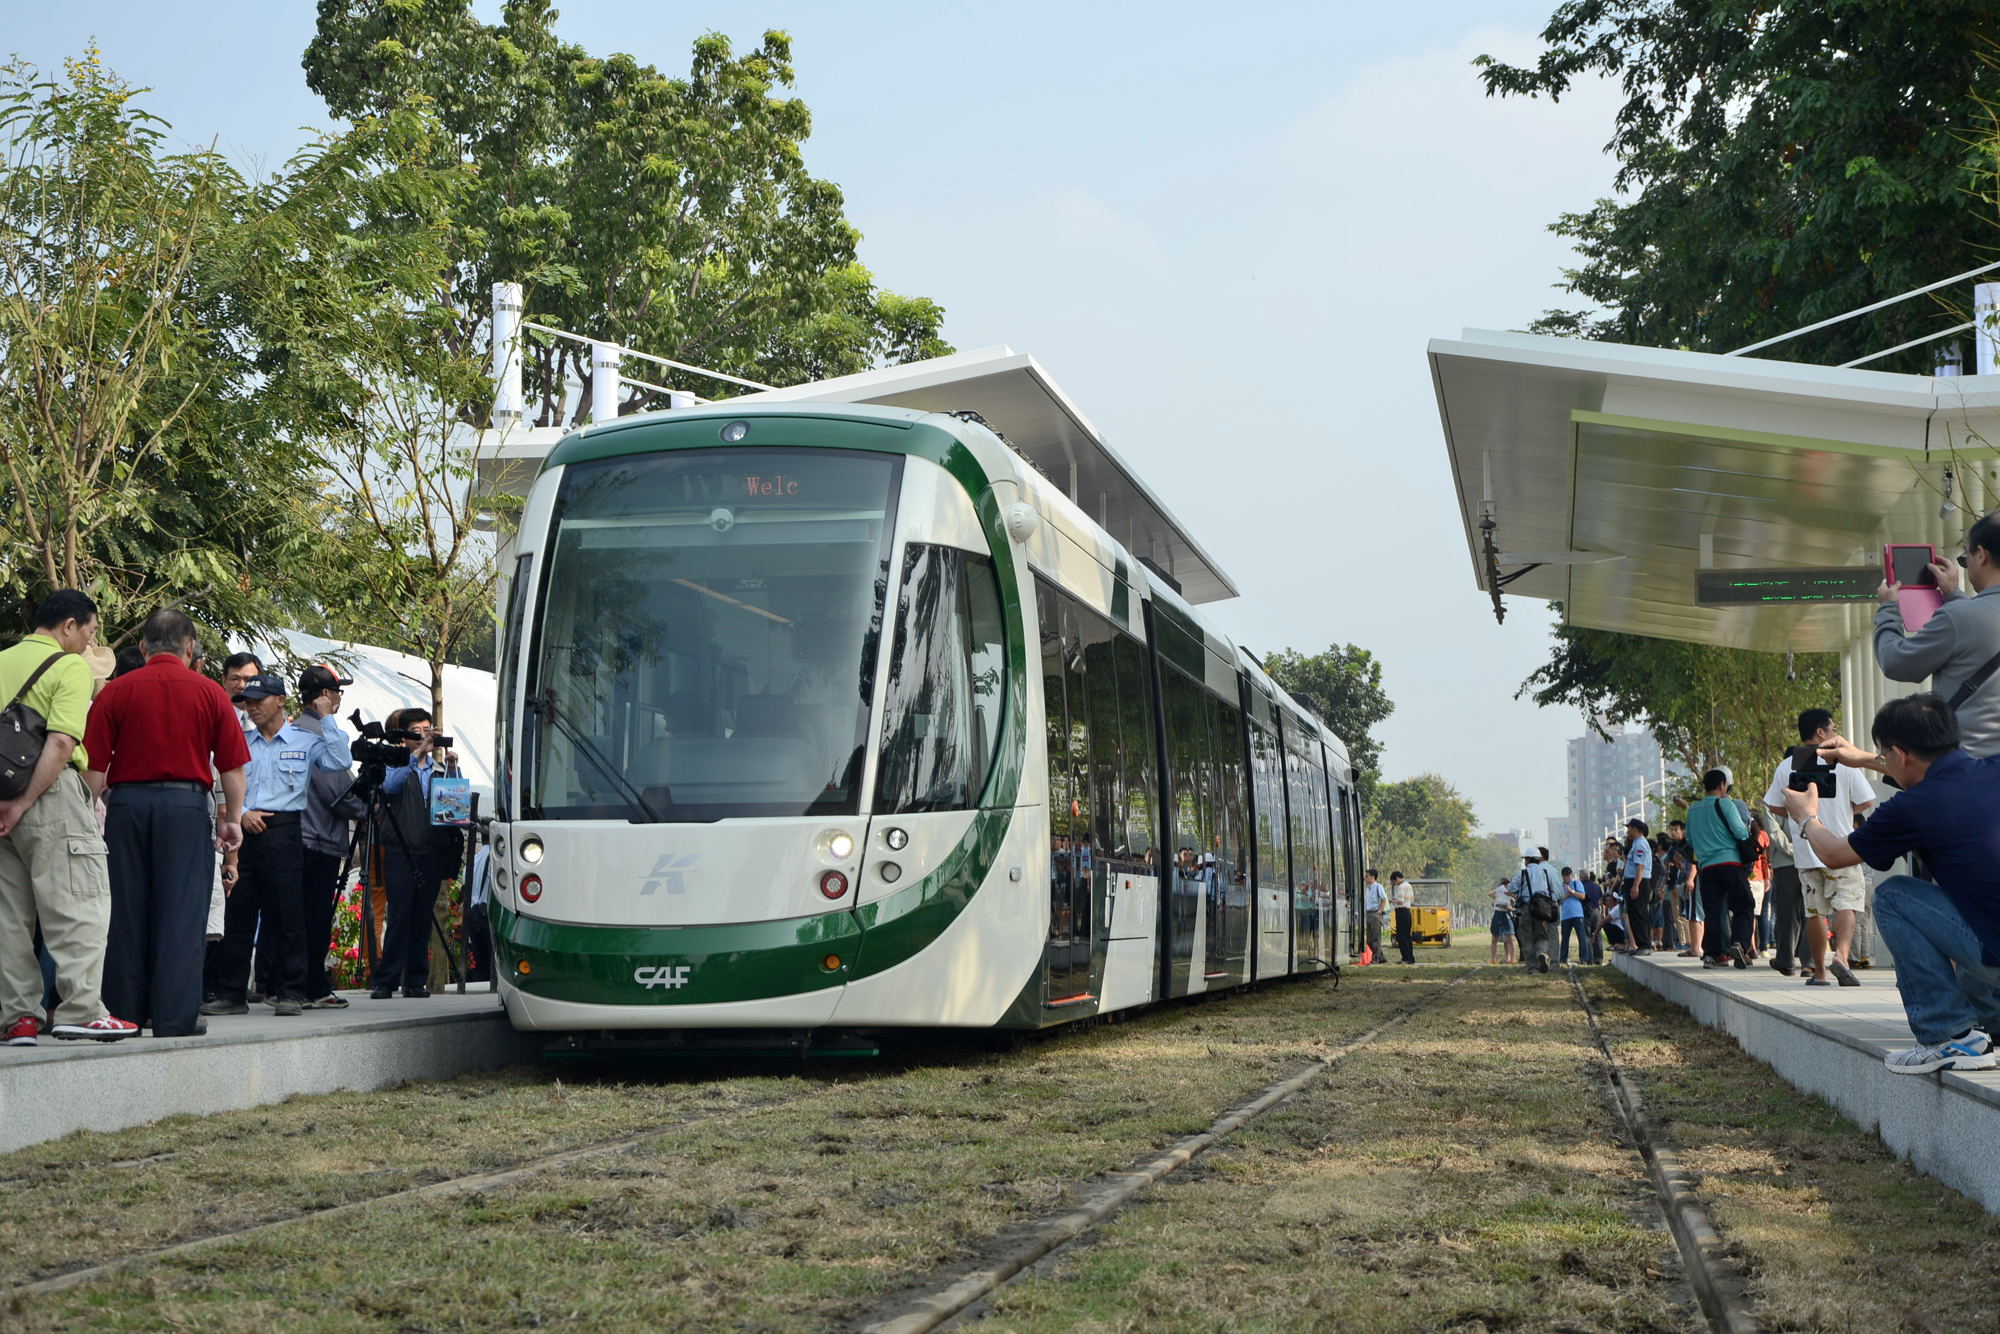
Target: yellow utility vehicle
[(1430, 917)]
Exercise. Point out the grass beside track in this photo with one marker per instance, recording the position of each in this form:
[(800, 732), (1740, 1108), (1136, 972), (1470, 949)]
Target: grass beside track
[(858, 1184), (1464, 1173), (1838, 1234)]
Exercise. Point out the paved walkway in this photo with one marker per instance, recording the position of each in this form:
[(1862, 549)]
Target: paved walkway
[(1830, 1041), (49, 1090)]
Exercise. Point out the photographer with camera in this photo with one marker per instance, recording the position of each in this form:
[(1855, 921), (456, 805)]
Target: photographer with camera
[(1945, 935), (1833, 895), (416, 857)]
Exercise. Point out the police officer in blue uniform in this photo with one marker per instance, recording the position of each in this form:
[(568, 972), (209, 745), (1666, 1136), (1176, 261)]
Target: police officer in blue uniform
[(271, 866)]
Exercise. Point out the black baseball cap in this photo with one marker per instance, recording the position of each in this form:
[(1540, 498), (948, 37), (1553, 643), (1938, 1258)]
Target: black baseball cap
[(1639, 825), (320, 677), (261, 687)]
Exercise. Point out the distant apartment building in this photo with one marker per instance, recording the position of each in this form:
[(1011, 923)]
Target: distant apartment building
[(1607, 779)]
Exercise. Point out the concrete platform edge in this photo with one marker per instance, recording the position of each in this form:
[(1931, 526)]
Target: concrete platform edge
[(132, 1083), (1942, 1124)]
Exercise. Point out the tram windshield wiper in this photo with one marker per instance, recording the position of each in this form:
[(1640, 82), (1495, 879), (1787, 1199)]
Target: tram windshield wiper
[(546, 708)]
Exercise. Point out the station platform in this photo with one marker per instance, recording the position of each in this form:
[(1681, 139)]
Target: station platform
[(252, 1060), (1830, 1041)]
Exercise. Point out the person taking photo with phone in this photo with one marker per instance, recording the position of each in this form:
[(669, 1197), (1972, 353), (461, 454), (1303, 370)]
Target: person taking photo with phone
[(1834, 896), (1945, 934), (1958, 648)]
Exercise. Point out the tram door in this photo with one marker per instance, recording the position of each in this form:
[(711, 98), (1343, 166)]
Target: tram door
[(1077, 870)]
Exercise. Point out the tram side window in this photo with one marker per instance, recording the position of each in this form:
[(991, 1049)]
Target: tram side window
[(1187, 761), (1139, 775), (510, 666), (1100, 675), (1227, 732), (946, 683), (1272, 872)]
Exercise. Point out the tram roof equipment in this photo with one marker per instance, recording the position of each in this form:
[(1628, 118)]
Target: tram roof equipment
[(1012, 393)]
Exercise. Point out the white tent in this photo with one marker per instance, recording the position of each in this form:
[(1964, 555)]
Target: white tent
[(385, 681)]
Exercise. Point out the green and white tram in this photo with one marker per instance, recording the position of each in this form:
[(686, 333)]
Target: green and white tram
[(845, 717)]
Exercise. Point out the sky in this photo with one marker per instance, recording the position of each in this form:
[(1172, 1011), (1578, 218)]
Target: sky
[(1227, 231)]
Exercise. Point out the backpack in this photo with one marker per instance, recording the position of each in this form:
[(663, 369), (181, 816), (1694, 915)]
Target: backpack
[(23, 733), (1751, 848)]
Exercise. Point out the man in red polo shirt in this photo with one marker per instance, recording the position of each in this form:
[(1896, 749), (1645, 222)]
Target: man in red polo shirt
[(155, 737)]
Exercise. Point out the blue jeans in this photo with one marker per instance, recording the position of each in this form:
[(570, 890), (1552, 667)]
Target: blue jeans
[(1574, 926), (1924, 931)]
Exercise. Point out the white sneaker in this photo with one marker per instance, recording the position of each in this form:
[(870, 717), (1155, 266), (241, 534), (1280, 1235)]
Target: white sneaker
[(1972, 1050)]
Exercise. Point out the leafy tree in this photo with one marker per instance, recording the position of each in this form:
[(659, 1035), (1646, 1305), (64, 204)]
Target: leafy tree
[(1343, 685), (1778, 164), (1704, 705), (1420, 827), (673, 215), (1486, 860), (134, 459)]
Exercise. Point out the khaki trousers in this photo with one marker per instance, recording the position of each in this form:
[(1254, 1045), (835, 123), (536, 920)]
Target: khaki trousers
[(52, 869)]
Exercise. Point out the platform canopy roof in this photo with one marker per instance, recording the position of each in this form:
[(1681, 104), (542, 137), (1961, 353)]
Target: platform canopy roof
[(1014, 395), (1621, 473)]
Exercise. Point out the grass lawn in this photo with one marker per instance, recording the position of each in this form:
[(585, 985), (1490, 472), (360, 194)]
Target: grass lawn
[(1463, 1173)]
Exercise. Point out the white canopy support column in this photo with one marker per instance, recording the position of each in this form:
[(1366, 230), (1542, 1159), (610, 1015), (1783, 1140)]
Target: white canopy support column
[(604, 363), (507, 401)]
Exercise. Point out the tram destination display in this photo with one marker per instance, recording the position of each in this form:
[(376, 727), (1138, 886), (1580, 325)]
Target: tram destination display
[(1753, 588)]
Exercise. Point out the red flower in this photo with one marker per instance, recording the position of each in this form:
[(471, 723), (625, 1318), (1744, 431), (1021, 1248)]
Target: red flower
[(353, 951)]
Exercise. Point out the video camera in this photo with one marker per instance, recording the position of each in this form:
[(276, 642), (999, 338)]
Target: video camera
[(376, 744)]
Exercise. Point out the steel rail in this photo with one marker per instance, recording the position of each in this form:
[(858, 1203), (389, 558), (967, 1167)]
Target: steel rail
[(1719, 1284), (923, 1309)]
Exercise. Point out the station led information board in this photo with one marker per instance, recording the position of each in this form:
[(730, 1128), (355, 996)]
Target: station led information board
[(1751, 588)]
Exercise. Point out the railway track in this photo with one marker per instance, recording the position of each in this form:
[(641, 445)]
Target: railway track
[(1718, 1283), (924, 1308), (957, 1295)]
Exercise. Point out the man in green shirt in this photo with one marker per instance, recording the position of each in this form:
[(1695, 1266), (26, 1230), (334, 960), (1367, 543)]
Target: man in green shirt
[(52, 860)]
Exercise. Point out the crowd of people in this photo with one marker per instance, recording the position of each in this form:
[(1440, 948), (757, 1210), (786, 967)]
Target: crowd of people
[(1782, 881), (175, 847)]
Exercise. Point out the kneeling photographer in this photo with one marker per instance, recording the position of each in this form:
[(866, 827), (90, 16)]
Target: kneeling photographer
[(416, 858), (1945, 936)]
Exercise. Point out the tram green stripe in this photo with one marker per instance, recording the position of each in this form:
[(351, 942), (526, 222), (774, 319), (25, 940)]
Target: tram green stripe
[(740, 961)]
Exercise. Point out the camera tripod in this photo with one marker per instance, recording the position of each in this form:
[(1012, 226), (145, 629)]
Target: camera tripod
[(367, 849)]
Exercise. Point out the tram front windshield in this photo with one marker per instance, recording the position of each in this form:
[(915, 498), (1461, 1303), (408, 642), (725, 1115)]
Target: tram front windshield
[(709, 627)]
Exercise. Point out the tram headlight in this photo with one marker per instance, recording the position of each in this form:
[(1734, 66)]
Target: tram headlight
[(531, 850), (897, 839), (890, 872), (835, 845), (733, 433)]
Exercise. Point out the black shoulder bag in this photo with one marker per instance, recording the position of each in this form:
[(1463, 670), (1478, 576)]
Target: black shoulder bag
[(23, 733)]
